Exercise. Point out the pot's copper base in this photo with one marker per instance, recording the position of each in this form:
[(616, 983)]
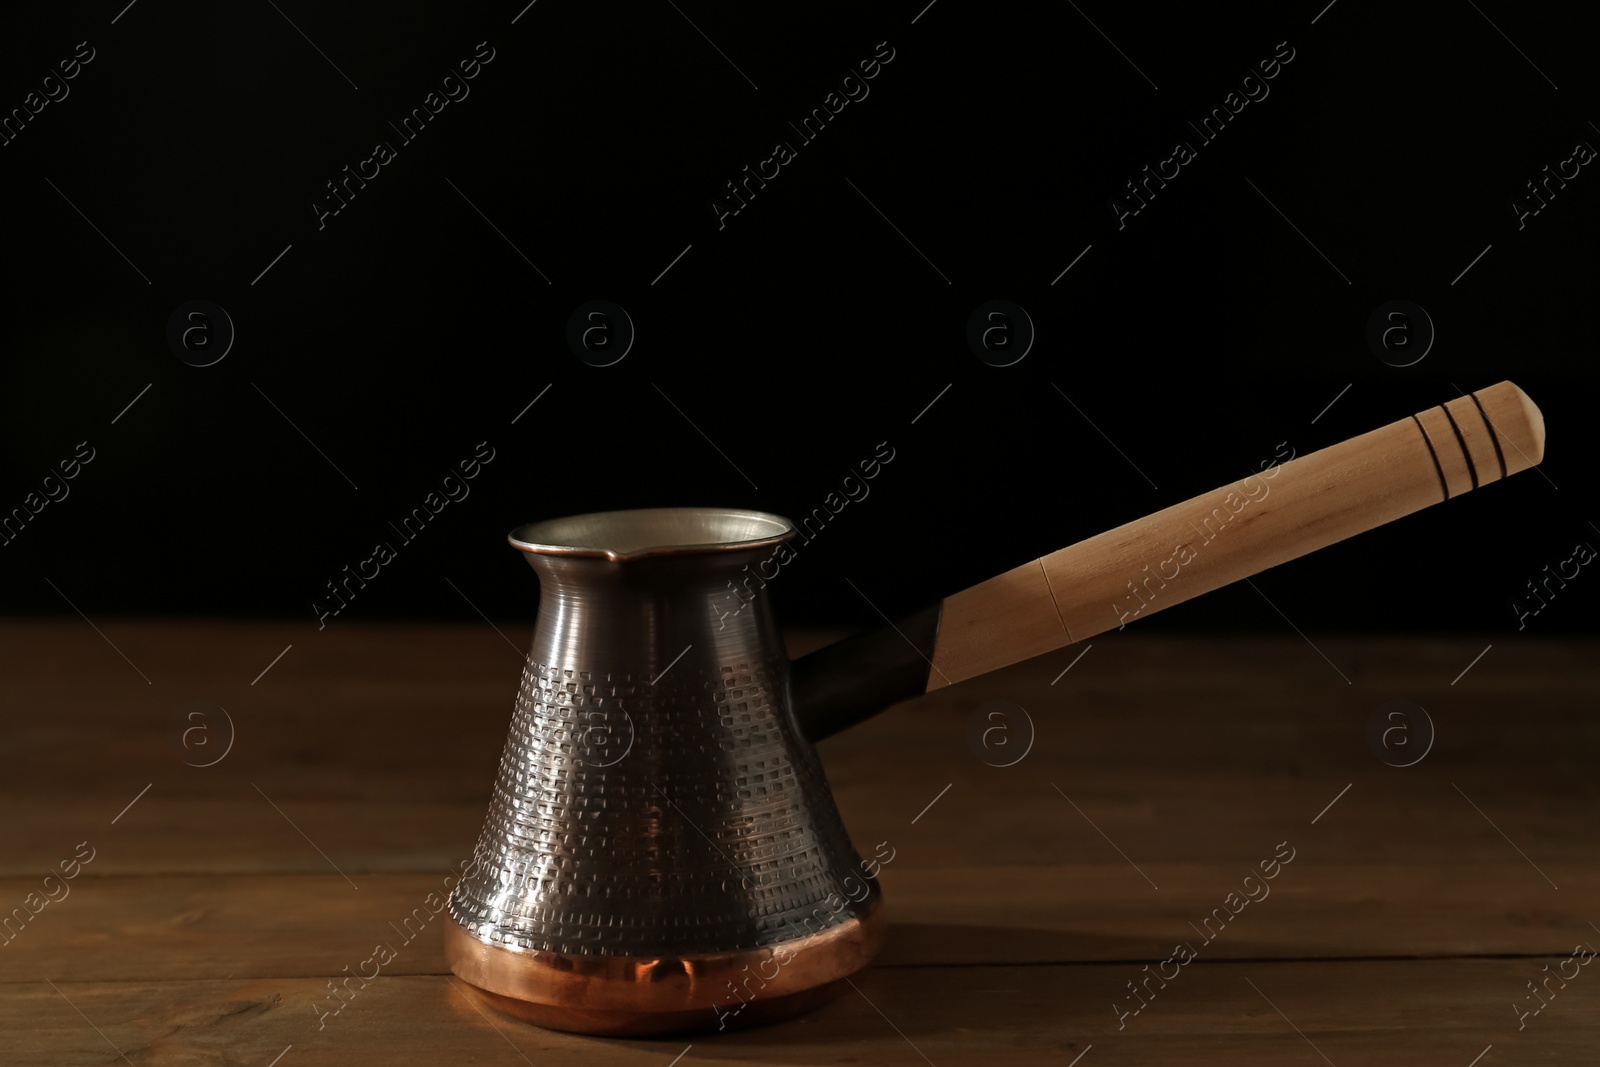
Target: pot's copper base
[(645, 1024), (622, 996)]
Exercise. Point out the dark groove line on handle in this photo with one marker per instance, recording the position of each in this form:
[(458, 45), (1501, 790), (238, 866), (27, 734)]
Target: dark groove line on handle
[(1472, 468), (1494, 437), (1434, 456)]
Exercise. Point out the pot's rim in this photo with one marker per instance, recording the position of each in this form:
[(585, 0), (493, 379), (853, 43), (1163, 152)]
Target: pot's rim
[(640, 533)]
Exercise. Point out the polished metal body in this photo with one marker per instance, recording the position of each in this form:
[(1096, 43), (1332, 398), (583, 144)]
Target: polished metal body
[(659, 822)]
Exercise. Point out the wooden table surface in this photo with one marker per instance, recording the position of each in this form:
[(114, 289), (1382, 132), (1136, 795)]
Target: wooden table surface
[(1419, 903)]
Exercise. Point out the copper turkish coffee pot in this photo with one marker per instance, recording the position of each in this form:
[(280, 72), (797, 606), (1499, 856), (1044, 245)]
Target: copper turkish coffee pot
[(662, 853)]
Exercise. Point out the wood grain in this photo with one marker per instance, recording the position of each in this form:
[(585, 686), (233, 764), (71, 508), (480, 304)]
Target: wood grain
[(1020, 899), (195, 928), (1426, 1011)]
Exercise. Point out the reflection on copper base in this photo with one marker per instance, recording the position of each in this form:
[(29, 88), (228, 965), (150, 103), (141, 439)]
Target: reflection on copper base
[(630, 996)]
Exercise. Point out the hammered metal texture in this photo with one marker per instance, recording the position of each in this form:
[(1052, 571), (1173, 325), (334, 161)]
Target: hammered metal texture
[(637, 815)]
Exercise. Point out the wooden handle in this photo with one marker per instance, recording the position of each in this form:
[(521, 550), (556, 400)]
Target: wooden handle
[(1241, 529)]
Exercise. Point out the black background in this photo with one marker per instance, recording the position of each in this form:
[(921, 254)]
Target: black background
[(804, 331)]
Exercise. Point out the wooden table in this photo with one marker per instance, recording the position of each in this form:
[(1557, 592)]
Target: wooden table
[(1418, 903)]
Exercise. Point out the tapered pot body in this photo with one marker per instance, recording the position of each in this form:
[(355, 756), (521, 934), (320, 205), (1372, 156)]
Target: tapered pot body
[(661, 851)]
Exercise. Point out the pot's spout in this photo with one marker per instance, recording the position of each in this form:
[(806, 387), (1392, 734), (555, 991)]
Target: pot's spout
[(854, 679)]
